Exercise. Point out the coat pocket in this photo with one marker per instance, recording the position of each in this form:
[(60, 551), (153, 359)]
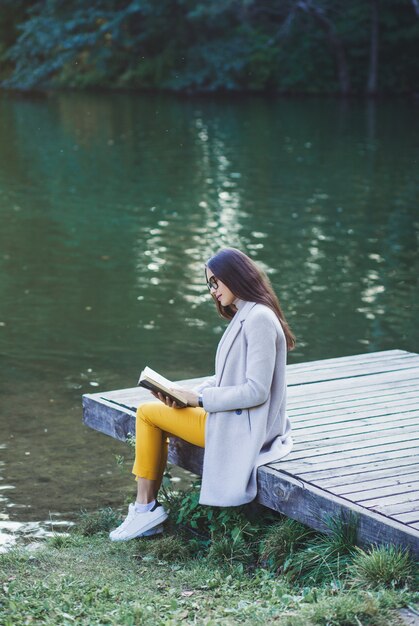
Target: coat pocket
[(246, 414)]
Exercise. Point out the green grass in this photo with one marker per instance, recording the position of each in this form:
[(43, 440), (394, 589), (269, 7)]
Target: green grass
[(102, 520), (281, 540), (83, 578), (384, 566)]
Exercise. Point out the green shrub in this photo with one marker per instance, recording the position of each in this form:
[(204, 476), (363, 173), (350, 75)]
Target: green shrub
[(316, 564), (225, 549), (101, 521), (225, 534), (168, 548), (382, 566), (63, 540), (281, 540), (345, 609), (14, 556), (208, 522), (325, 557)]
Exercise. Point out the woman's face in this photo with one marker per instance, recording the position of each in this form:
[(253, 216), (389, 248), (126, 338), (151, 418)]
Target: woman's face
[(223, 294)]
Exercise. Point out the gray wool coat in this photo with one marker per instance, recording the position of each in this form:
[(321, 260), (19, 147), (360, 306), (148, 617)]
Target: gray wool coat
[(247, 423)]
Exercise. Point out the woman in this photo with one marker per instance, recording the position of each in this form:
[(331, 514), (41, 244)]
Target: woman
[(238, 416)]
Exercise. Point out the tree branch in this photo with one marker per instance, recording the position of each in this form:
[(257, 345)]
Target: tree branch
[(327, 25)]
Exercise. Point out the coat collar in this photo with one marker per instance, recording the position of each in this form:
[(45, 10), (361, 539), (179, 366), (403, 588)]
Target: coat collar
[(243, 307), (232, 330)]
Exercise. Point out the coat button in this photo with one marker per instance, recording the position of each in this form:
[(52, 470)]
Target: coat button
[(238, 412)]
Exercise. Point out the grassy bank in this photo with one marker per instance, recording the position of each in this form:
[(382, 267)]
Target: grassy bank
[(212, 566), (90, 581)]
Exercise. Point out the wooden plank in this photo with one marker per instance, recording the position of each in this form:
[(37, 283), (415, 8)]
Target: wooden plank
[(334, 373), (384, 444), (353, 364), (107, 418), (342, 399), (349, 470), (310, 505), (393, 473), (338, 433), (357, 442), (348, 420), (398, 507), (371, 503), (370, 357), (308, 442), (341, 432), (397, 400), (404, 403), (374, 381), (308, 464), (340, 413), (380, 492), (352, 395), (342, 416), (370, 483), (336, 416), (335, 461), (408, 518)]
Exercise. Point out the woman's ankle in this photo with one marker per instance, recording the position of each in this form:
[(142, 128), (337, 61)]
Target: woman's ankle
[(143, 508)]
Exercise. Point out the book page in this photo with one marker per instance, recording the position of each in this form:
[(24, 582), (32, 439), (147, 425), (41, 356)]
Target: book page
[(161, 380), (155, 382)]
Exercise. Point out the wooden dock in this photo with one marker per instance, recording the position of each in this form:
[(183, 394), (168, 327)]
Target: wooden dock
[(356, 444)]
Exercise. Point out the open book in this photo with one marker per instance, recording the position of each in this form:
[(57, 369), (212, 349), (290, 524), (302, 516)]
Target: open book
[(155, 382)]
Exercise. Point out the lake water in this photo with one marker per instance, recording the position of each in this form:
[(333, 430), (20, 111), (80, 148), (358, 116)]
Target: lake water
[(110, 205)]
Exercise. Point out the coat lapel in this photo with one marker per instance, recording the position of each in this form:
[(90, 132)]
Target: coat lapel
[(228, 338)]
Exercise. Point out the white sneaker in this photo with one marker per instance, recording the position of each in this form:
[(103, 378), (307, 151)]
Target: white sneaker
[(153, 531), (140, 524)]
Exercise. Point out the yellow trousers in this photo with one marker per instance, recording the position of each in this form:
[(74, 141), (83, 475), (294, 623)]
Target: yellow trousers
[(154, 424)]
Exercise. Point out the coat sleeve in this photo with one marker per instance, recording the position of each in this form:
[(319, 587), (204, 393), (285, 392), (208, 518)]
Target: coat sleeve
[(210, 382), (261, 337)]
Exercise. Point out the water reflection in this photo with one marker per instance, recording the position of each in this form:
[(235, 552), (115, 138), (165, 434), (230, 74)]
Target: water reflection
[(110, 206)]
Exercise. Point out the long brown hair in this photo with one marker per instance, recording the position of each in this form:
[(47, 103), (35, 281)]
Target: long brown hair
[(247, 282)]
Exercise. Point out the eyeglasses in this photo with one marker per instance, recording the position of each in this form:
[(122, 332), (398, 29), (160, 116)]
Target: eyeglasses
[(212, 283)]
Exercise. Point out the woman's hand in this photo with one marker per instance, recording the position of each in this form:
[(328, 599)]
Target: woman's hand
[(190, 396), (166, 400)]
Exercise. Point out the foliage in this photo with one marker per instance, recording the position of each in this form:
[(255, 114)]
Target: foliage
[(208, 523), (187, 45), (63, 540), (93, 581), (101, 521), (12, 13), (227, 550), (349, 609), (228, 535), (325, 557), (383, 566), (281, 540), (168, 548)]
